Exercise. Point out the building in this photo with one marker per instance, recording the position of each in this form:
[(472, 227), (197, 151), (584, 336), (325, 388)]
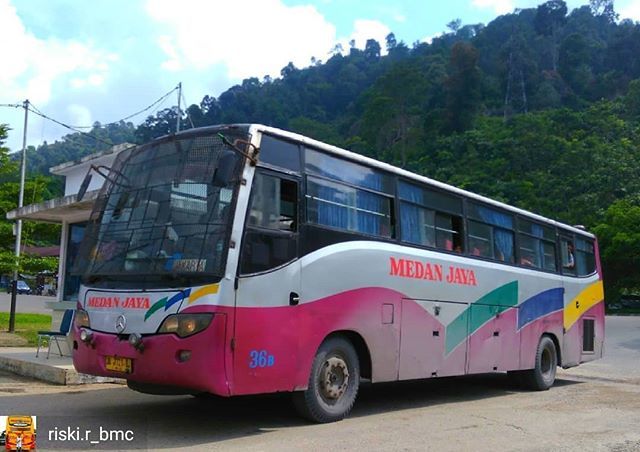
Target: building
[(72, 215)]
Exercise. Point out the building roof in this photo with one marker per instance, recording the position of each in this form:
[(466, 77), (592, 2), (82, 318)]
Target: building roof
[(63, 168), (57, 210)]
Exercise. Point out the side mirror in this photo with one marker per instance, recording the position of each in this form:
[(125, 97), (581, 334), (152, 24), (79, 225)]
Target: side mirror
[(84, 185), (224, 172)]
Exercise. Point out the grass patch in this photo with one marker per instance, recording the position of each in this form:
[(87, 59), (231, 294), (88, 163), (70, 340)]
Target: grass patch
[(27, 325)]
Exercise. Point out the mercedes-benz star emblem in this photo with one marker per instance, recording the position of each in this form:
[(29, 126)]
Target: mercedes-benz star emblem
[(121, 323)]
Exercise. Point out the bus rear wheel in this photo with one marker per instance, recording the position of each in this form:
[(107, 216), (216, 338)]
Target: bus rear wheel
[(543, 375), (333, 383)]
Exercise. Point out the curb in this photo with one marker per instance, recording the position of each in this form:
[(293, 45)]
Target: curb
[(51, 374)]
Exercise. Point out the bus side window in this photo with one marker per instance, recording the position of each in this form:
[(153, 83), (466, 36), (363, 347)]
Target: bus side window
[(270, 237), (568, 256), (585, 257)]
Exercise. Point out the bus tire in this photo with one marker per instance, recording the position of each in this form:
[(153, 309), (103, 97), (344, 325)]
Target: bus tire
[(333, 382), (542, 376)]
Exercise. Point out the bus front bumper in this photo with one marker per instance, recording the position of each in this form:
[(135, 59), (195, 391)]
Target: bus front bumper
[(161, 359)]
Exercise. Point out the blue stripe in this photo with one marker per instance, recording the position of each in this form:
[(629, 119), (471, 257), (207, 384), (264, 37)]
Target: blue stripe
[(176, 298), (540, 305)]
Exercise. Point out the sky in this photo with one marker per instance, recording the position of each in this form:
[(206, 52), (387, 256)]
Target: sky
[(81, 62)]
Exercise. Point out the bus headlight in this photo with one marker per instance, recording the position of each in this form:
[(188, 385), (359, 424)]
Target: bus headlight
[(81, 319), (185, 324)]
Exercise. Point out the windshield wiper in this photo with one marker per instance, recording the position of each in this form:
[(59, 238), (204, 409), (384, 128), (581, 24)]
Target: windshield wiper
[(253, 157)]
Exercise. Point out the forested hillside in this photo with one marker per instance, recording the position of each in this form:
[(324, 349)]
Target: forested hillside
[(539, 108)]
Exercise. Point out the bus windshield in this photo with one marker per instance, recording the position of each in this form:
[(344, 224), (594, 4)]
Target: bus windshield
[(160, 216)]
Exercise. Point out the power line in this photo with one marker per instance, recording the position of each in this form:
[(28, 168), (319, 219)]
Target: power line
[(187, 110), (34, 110), (149, 107)]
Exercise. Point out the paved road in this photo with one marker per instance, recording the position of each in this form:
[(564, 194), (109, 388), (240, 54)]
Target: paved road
[(597, 411), (26, 303)]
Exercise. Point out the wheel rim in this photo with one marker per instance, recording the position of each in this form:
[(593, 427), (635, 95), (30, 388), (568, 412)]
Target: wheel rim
[(334, 379)]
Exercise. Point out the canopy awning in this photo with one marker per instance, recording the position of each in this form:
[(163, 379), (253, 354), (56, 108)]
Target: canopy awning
[(66, 209)]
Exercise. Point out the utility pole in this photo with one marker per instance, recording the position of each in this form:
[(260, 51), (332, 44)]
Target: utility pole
[(179, 96), (23, 170)]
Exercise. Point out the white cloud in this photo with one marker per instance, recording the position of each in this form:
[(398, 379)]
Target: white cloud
[(80, 115), (499, 6), (429, 39), (369, 29), (32, 65), (398, 17), (250, 38), (631, 10)]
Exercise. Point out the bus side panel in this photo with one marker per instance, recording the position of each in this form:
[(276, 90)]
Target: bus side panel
[(574, 338), (495, 345), (265, 362), (585, 299), (531, 333), (422, 341)]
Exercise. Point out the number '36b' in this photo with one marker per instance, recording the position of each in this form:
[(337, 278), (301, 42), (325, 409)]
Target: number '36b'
[(260, 358)]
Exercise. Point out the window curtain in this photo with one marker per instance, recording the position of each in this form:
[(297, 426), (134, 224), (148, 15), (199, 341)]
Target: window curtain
[(370, 223), (331, 214), (503, 238), (410, 221)]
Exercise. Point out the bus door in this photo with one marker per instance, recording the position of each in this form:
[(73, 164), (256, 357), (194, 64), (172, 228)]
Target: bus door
[(265, 338)]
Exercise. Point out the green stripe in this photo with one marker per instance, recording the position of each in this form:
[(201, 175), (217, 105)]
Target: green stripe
[(478, 313), (157, 305)]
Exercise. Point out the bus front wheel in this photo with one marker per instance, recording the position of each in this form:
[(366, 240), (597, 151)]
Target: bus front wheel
[(333, 383), (542, 377)]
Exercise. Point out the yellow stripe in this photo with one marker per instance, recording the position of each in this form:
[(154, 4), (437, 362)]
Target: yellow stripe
[(585, 300), (201, 292)]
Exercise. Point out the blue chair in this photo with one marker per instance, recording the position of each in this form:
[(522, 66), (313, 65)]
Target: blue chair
[(53, 336)]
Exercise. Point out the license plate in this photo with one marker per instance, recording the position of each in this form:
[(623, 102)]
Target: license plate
[(118, 364)]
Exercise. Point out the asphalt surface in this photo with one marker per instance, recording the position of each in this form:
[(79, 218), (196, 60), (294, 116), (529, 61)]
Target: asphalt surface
[(593, 407), (33, 304)]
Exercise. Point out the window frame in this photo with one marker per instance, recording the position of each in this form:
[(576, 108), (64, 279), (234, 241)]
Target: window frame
[(543, 240), (453, 215), (293, 235)]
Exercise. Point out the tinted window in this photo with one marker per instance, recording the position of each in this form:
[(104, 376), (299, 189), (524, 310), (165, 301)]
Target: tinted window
[(273, 203), (280, 153), (418, 224), (480, 239), (537, 245), (501, 237), (585, 257), (341, 206), (429, 198), (568, 255), (346, 171), (270, 239)]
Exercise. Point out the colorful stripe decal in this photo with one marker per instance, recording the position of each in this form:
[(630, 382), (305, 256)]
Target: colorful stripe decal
[(540, 305), (177, 298), (478, 313), (201, 292), (156, 307), (585, 300)]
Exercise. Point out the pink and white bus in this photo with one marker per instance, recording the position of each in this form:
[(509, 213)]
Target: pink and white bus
[(245, 259)]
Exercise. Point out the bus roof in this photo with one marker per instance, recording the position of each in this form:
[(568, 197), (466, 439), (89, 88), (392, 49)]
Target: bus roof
[(251, 128)]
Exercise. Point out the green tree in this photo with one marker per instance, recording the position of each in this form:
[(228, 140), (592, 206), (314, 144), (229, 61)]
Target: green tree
[(550, 17), (462, 86), (619, 239)]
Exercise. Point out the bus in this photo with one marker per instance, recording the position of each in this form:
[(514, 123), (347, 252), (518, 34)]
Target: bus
[(243, 259), (20, 433)]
